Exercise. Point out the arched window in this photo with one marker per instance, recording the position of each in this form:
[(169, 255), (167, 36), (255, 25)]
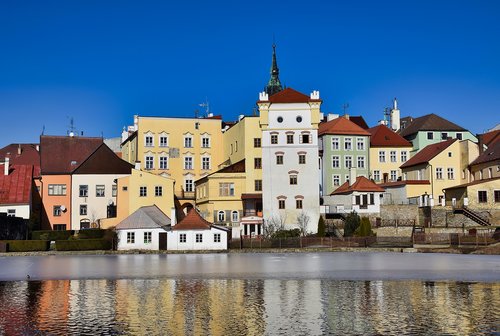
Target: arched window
[(234, 216), (221, 216)]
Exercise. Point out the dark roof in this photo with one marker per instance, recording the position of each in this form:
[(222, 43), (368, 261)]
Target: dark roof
[(103, 161), (63, 154), (474, 183), (428, 153), (238, 167), (146, 217), (193, 221), (341, 125), (29, 154), (383, 136), (403, 182), (15, 188), (430, 122), (492, 153), (361, 184), (490, 137), (360, 121), (289, 95)]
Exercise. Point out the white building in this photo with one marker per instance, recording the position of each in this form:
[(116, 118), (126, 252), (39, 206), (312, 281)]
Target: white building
[(290, 181), (145, 229), (195, 233)]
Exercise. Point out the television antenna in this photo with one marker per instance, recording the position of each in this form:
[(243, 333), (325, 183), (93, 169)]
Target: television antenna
[(205, 105)]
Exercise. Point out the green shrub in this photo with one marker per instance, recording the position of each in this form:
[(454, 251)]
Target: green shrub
[(365, 228), (321, 227), (51, 235), (91, 234), (27, 245), (83, 245), (287, 233), (352, 222)]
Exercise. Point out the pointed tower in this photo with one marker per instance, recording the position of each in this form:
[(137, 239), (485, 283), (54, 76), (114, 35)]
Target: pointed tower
[(274, 84)]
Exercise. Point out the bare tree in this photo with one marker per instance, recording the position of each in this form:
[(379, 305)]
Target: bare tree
[(303, 220), (274, 224)]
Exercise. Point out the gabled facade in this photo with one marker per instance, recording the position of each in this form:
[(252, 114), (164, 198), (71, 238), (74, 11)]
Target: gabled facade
[(430, 129), (343, 145), (486, 165), (290, 175), (388, 151)]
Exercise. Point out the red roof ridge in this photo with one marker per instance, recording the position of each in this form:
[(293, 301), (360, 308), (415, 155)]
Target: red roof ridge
[(361, 184), (289, 96), (428, 153), (193, 221), (383, 136), (341, 125)]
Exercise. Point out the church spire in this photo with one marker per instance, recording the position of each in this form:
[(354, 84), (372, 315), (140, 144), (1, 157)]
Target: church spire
[(274, 84)]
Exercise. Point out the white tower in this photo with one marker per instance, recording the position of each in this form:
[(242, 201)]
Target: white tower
[(395, 116)]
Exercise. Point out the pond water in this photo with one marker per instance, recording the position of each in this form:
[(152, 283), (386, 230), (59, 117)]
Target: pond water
[(251, 294)]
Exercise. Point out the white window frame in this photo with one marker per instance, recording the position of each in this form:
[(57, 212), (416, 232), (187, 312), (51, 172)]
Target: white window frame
[(182, 238), (163, 162), (451, 173), (360, 141), (148, 137), (346, 166), (217, 237), (361, 159), (348, 144), (188, 141), (131, 237), (188, 163), (143, 191), (393, 175), (335, 159), (335, 143), (393, 156), (381, 156), (376, 175), (205, 163), (336, 180), (205, 141), (148, 237), (158, 191), (235, 216), (149, 162), (189, 185), (199, 238), (163, 140), (404, 156)]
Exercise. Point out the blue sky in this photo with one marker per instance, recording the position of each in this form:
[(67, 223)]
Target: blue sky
[(101, 62)]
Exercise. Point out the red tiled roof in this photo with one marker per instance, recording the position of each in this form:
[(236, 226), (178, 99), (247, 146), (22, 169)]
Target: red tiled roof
[(491, 137), (63, 154), (193, 221), (473, 183), (428, 153), (341, 125), (383, 136), (492, 153), (29, 154), (15, 188), (430, 122), (361, 184), (290, 95)]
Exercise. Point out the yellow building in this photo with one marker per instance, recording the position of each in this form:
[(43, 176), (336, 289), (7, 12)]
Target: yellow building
[(184, 149), (140, 189)]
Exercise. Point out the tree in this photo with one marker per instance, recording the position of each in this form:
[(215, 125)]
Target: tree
[(365, 228), (303, 220), (321, 227), (273, 224), (352, 222)]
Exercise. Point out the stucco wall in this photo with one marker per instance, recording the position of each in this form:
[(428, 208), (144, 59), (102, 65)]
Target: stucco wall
[(139, 239), (191, 244), (22, 210)]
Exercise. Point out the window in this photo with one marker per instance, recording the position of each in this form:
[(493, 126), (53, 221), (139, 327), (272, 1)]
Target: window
[(221, 216), (205, 142), (430, 135), (83, 209), (299, 119), (57, 189), (279, 159), (280, 119), (257, 163), (459, 136), (348, 144), (216, 237), (257, 142), (100, 190), (189, 185), (497, 196), (439, 173), (274, 139), (199, 238), (451, 174), (393, 156), (482, 196), (361, 162), (258, 185), (163, 141), (444, 136), (348, 161), (147, 237), (163, 162), (293, 179), (281, 204), (143, 191), (11, 212), (306, 138), (57, 211), (490, 172), (335, 161), (188, 162), (182, 238), (302, 159), (404, 156), (188, 142), (381, 156), (158, 191), (84, 190), (335, 143), (226, 189), (289, 138), (148, 141), (394, 175), (130, 237), (234, 216), (376, 175), (360, 144), (59, 227), (298, 203), (205, 163), (450, 154), (336, 180), (114, 190), (149, 162)]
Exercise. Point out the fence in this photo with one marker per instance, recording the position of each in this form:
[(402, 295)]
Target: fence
[(453, 239)]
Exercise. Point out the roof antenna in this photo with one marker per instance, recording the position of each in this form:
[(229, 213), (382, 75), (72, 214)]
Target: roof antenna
[(206, 105), (72, 127), (345, 107), (43, 130)]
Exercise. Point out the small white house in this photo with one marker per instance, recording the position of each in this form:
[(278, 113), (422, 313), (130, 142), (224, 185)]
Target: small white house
[(145, 229), (195, 233)]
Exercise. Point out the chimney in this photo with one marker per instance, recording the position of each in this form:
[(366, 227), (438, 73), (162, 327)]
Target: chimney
[(331, 116), (173, 218), (352, 176), (395, 116), (6, 166), (37, 148), (346, 116), (19, 150)]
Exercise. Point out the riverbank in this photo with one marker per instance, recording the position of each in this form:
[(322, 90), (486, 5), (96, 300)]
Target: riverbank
[(486, 250)]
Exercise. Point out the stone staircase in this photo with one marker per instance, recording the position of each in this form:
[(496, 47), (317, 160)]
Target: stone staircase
[(472, 215)]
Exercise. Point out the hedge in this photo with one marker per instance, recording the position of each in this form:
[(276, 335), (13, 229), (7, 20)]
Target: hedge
[(51, 235), (91, 234), (83, 245), (27, 245)]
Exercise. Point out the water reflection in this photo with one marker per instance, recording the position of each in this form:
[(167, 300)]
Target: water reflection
[(248, 307)]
